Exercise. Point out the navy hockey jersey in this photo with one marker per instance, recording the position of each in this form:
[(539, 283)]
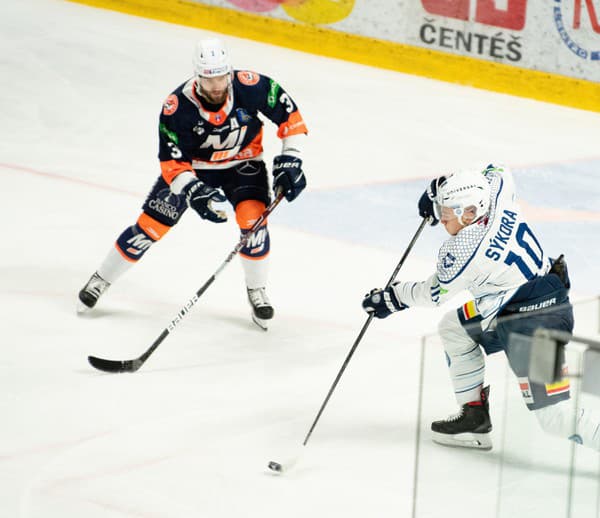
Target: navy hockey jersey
[(191, 137)]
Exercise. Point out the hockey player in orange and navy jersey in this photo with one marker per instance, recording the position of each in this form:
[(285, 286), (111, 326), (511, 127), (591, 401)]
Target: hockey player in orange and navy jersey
[(210, 150)]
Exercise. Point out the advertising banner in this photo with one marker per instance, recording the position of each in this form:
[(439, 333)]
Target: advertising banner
[(554, 36), (548, 50)]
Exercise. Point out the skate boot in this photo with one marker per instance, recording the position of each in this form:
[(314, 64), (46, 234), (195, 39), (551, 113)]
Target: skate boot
[(470, 428), (90, 293), (262, 311)]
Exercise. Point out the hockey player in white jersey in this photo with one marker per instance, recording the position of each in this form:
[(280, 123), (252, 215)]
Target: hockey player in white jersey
[(493, 254)]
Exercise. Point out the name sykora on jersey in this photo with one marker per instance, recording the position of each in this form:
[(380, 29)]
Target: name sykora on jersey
[(491, 258)]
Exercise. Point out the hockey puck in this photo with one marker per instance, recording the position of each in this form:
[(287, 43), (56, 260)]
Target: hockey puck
[(275, 466)]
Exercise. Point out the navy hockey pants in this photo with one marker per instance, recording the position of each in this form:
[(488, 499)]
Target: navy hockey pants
[(540, 303)]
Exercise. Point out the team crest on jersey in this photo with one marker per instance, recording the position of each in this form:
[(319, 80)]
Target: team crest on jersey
[(170, 105), (198, 129), (449, 260), (248, 78), (242, 115)]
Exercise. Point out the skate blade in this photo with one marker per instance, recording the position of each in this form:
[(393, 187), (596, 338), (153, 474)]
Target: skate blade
[(82, 309), (260, 322), (478, 441)]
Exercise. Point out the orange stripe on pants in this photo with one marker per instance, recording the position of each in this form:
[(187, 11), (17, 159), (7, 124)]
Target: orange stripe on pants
[(154, 229)]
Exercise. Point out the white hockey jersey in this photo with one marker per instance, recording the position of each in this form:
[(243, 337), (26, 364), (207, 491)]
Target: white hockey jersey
[(491, 258)]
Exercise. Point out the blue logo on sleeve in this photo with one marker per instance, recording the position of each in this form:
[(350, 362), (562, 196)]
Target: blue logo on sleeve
[(449, 260)]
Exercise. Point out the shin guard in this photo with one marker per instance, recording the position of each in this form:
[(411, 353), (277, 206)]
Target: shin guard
[(133, 243), (258, 245)]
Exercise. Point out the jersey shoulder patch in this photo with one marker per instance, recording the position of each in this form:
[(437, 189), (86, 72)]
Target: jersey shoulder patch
[(456, 253), (170, 105), (247, 77)]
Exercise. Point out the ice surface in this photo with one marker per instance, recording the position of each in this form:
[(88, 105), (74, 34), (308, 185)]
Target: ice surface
[(191, 433)]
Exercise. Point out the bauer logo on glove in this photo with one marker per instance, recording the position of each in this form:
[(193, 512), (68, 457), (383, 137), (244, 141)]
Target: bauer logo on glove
[(288, 176)]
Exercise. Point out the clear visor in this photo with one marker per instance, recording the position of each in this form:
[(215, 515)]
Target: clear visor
[(441, 210), (465, 215), (214, 70)]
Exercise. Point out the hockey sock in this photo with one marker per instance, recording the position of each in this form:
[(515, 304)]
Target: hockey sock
[(254, 254), (113, 266), (246, 213), (256, 272), (133, 243), (464, 357)]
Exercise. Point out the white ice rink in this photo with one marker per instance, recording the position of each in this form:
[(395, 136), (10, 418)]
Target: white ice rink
[(190, 434)]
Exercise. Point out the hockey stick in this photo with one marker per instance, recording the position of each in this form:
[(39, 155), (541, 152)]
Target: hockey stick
[(133, 365), (290, 462), (363, 331)]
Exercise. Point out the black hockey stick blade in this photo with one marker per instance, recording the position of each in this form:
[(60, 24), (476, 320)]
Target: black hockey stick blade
[(115, 365)]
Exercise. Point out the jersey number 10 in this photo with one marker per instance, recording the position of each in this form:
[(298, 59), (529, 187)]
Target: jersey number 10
[(532, 252)]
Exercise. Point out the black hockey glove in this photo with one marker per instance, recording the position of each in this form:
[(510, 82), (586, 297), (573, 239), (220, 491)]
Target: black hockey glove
[(559, 267), (288, 176), (427, 200), (382, 303), (200, 196)]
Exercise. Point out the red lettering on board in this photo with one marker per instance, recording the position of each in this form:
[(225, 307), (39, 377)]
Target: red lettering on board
[(591, 12), (486, 12)]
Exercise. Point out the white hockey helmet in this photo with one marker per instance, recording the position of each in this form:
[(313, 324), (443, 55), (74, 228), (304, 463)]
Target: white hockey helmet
[(211, 58), (464, 190)]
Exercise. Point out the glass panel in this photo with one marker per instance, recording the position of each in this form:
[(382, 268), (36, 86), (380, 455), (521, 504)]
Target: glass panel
[(451, 481), (528, 472)]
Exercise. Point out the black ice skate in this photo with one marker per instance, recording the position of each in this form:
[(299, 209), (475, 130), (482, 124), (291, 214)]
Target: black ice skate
[(261, 307), (470, 428), (90, 293)]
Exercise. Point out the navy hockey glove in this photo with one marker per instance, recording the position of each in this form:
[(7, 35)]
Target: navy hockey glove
[(559, 267), (382, 303), (427, 200), (288, 176), (200, 196)]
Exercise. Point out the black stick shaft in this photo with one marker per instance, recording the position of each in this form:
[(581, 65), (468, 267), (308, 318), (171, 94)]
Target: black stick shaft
[(362, 332)]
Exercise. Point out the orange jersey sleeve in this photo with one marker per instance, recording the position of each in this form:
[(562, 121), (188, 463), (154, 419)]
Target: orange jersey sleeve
[(171, 168), (293, 126)]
